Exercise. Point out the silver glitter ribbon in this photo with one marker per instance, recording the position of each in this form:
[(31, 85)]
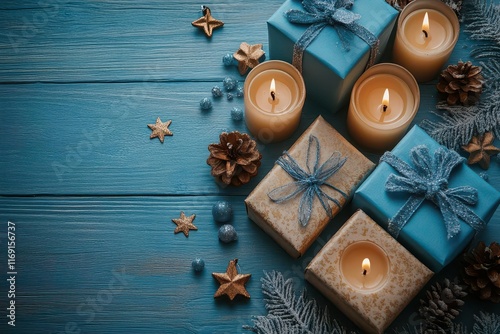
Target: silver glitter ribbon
[(336, 13), (428, 180), (310, 181)]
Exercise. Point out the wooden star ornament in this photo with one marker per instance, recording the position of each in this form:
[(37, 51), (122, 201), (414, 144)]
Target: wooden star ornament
[(160, 129), (184, 224), (248, 56), (480, 149), (207, 22), (231, 283)]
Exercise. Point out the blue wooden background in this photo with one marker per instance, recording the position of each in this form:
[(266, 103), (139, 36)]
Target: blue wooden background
[(92, 196)]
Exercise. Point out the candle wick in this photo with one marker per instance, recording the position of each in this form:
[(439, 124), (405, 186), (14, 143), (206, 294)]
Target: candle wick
[(425, 33), (384, 108), (273, 95), (364, 272)]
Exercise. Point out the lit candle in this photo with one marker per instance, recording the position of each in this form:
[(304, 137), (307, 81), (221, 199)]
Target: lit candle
[(384, 101), (274, 95), (362, 272), (427, 33)]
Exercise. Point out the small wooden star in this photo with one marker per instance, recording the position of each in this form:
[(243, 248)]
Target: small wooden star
[(231, 283), (480, 149), (248, 56), (184, 224), (207, 22), (160, 129)]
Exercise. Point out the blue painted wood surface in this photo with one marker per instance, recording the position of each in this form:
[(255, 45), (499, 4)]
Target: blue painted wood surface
[(93, 197)]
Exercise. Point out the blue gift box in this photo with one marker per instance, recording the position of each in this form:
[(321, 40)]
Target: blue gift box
[(329, 70), (425, 234)]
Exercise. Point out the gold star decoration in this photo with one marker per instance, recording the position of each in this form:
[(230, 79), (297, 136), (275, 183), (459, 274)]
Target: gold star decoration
[(184, 224), (248, 56), (231, 283), (480, 148), (207, 22), (160, 129)]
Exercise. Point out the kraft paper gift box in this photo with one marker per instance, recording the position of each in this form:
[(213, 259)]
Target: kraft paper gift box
[(372, 303), (425, 234), (329, 69), (281, 220)]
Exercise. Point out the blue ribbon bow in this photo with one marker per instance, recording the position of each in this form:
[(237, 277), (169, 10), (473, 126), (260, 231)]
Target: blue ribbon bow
[(336, 13), (428, 180), (309, 181)]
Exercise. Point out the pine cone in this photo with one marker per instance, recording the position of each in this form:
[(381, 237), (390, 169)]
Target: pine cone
[(235, 160), (482, 273), (442, 306), (462, 83)]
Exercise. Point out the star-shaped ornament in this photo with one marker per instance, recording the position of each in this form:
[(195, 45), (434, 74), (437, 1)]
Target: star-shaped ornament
[(184, 224), (207, 22), (248, 56), (160, 129), (480, 149), (231, 283)]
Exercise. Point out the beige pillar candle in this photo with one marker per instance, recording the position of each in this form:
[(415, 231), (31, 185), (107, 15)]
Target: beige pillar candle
[(274, 96), (384, 101), (423, 46)]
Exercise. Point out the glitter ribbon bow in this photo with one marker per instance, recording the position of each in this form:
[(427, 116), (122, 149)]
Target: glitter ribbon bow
[(336, 13), (309, 181), (428, 180)]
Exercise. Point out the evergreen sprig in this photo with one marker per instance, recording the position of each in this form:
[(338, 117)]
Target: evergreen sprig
[(290, 314), (457, 126)]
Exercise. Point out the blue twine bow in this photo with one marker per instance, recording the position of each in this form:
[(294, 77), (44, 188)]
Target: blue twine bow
[(319, 14), (428, 180), (309, 181)]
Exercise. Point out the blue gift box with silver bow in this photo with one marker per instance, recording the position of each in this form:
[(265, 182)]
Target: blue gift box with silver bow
[(331, 42), (428, 198)]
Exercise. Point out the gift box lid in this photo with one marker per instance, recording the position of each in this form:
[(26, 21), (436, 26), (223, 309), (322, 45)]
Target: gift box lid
[(280, 220), (425, 234), (376, 16)]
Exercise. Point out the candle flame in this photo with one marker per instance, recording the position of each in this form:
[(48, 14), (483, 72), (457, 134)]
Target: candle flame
[(385, 99), (365, 266), (272, 89), (425, 25)]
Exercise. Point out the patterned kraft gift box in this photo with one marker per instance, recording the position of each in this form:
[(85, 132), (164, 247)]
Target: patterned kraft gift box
[(336, 57), (425, 232), (281, 219), (372, 308)]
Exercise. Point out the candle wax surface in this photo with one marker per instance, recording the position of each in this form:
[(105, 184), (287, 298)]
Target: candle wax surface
[(439, 32), (369, 98), (351, 266), (286, 92)]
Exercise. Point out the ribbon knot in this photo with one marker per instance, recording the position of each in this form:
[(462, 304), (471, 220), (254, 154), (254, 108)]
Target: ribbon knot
[(309, 181), (336, 13), (435, 187), (428, 180)]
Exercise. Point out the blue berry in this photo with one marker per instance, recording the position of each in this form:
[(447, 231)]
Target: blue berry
[(229, 83), (222, 211), (205, 103), (239, 92), (227, 233), (236, 114), (216, 91), (198, 265), (228, 59), (230, 96)]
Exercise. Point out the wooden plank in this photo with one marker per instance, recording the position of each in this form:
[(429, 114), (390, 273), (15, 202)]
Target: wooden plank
[(114, 265), (94, 139), (81, 41)]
